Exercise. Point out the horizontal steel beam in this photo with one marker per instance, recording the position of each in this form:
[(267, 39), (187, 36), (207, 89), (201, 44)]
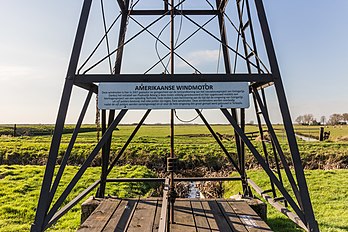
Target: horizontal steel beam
[(262, 85), (176, 12), (97, 78), (185, 179), (88, 87)]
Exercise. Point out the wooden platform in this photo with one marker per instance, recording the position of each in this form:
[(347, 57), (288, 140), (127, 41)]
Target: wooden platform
[(190, 215)]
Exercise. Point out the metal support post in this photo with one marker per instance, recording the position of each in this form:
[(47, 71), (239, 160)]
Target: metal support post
[(44, 202), (227, 63), (172, 193), (117, 70), (284, 108)]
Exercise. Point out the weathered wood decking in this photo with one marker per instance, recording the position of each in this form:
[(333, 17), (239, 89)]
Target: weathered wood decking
[(190, 215)]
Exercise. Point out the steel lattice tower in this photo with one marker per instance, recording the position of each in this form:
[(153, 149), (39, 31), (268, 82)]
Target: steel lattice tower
[(239, 30)]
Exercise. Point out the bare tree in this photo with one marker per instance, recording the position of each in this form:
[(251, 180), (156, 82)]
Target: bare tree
[(308, 118), (335, 119), (299, 119), (345, 117)]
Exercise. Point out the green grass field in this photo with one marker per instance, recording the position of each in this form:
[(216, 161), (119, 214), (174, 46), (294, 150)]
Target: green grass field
[(20, 189), (329, 194), (20, 182), (337, 133)]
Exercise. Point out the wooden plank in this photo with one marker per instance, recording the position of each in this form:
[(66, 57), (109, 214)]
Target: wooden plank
[(210, 216), (143, 217), (183, 217), (120, 218), (201, 222), (157, 216), (100, 216), (190, 215), (221, 223), (232, 218), (249, 217)]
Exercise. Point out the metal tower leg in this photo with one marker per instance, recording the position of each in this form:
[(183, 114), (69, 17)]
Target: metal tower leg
[(50, 217), (264, 165), (301, 180), (44, 202), (66, 156)]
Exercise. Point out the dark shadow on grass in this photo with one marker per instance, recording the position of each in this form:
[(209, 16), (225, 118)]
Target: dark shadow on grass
[(331, 226), (283, 225), (286, 225)]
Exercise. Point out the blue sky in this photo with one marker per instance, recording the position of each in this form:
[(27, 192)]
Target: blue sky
[(310, 39)]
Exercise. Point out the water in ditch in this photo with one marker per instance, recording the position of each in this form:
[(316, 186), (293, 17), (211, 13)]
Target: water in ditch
[(305, 138), (194, 191)]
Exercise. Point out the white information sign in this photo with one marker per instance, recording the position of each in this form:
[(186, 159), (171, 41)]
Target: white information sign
[(173, 95)]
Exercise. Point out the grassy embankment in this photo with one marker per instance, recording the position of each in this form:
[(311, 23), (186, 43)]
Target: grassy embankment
[(193, 145)]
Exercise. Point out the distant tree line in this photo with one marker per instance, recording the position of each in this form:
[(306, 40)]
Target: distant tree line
[(335, 119)]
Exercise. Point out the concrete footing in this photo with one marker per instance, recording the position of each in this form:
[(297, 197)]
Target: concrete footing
[(88, 207), (256, 204)]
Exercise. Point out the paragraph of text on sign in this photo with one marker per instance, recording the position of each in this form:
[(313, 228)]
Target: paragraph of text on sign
[(172, 95)]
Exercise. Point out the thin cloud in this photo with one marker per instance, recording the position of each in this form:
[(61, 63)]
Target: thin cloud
[(200, 58), (13, 72)]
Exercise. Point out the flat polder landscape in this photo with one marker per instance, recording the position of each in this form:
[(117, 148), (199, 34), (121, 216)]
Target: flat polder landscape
[(22, 160)]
